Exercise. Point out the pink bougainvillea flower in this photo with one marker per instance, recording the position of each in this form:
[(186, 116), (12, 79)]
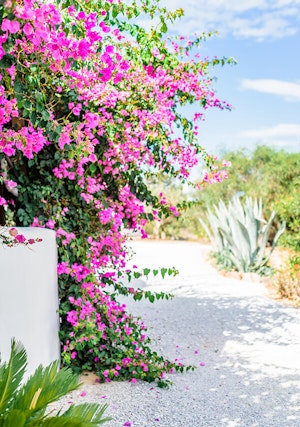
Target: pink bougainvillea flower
[(3, 202), (28, 29), (10, 184), (11, 26), (20, 238), (13, 232)]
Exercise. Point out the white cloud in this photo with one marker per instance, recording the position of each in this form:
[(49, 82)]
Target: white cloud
[(281, 135), (278, 131), (288, 90), (258, 19)]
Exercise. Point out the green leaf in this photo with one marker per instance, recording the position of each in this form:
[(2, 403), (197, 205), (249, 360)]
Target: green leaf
[(46, 385), (146, 271), (151, 298), (11, 375), (93, 168), (163, 272), (7, 61), (46, 115), (90, 413), (13, 418)]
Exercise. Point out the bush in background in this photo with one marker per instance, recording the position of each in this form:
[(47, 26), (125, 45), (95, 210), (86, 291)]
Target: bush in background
[(265, 173), (287, 280)]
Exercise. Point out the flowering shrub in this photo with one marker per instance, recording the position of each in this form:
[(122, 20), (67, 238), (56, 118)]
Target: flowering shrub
[(90, 107)]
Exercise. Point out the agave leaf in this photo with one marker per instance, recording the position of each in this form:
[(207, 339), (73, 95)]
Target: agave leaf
[(236, 209), (264, 240), (244, 242), (240, 233), (253, 222), (238, 244), (11, 375), (207, 230), (233, 252), (236, 262), (274, 243), (278, 234)]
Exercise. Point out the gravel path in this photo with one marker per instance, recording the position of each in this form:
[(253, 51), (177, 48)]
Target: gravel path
[(246, 347)]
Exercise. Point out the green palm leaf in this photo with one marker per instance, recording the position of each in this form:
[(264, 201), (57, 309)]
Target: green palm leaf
[(12, 419), (89, 413), (55, 422), (26, 405), (11, 375), (84, 415), (46, 385)]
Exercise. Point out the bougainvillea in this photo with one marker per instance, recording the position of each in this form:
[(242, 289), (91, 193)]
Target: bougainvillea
[(11, 237), (90, 108)]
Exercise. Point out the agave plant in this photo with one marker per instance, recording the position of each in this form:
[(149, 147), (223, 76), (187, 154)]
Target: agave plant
[(25, 404), (240, 234)]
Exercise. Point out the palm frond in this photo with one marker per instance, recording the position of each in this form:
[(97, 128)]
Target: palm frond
[(84, 415), (26, 405), (55, 422), (46, 385), (90, 413), (13, 418), (11, 375)]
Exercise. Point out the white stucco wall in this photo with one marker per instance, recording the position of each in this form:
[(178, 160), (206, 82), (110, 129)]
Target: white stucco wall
[(29, 298)]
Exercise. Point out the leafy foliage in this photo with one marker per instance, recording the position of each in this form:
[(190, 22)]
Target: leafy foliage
[(26, 404), (240, 234), (287, 280), (90, 102), (268, 174)]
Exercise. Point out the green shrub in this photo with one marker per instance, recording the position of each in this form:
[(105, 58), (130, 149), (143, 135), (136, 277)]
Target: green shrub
[(288, 209), (26, 404), (287, 281)]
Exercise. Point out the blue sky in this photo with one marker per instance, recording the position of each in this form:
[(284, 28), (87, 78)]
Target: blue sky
[(264, 87)]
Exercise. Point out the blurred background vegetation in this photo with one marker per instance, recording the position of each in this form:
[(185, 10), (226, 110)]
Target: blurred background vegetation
[(265, 173)]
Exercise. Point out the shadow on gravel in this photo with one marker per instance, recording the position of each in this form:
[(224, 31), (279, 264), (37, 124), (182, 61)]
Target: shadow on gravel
[(251, 351)]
